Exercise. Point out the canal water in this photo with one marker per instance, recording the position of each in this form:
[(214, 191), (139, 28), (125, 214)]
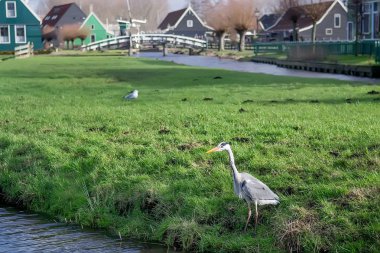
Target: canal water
[(252, 67), (25, 232)]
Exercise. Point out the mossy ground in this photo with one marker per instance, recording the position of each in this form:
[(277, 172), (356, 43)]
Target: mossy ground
[(71, 147)]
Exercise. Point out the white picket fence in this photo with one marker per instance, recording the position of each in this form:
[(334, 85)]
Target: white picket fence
[(24, 51)]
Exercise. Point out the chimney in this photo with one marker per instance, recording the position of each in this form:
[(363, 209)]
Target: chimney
[(91, 8)]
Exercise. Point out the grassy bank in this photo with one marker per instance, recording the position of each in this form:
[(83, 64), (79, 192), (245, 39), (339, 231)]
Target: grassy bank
[(70, 147)]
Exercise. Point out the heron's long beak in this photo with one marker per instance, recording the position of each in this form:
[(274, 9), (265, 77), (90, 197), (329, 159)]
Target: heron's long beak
[(213, 150)]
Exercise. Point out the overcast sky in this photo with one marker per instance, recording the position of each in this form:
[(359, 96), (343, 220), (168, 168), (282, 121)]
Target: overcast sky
[(174, 4), (177, 4)]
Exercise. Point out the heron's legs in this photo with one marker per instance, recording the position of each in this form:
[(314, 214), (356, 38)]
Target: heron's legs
[(256, 215), (249, 217)]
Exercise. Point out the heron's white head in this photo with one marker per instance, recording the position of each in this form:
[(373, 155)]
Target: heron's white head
[(221, 147)]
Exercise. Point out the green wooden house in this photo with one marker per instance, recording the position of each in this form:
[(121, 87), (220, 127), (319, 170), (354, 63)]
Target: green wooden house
[(97, 30), (18, 25)]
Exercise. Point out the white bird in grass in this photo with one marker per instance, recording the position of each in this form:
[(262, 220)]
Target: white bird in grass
[(132, 95), (247, 187)]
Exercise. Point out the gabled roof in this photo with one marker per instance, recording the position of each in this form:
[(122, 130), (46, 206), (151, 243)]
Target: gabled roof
[(303, 22), (268, 20), (97, 18), (57, 11), (171, 19)]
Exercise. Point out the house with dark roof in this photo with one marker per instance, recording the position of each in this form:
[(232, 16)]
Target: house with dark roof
[(268, 20), (18, 25), (58, 17), (185, 22), (331, 24)]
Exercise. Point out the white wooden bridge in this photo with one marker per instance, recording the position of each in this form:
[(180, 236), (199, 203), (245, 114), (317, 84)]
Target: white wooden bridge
[(140, 39)]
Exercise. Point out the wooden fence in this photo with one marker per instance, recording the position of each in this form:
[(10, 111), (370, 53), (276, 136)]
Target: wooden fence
[(299, 49), (24, 51)]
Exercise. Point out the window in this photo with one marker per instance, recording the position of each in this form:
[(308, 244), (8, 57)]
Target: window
[(350, 32), (329, 31), (54, 17), (92, 27), (20, 34), (366, 7), (189, 23), (47, 18), (4, 34), (93, 38), (337, 20), (366, 23), (11, 9)]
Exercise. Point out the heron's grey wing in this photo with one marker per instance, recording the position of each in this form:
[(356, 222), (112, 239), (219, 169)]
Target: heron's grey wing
[(254, 189)]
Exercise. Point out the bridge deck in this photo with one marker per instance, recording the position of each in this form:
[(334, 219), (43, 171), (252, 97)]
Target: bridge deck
[(146, 39)]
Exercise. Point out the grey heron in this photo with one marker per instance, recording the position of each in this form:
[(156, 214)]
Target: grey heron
[(132, 95), (247, 187)]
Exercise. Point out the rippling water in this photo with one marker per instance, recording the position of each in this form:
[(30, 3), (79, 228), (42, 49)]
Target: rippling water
[(215, 62), (24, 232)]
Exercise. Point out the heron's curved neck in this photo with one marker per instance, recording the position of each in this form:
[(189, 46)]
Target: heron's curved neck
[(235, 172)]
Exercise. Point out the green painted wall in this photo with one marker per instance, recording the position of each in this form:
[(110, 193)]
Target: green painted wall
[(97, 31), (24, 17)]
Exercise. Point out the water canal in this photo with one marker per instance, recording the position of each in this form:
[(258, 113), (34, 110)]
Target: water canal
[(252, 67), (25, 232)]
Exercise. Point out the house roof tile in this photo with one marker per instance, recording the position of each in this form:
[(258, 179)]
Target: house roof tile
[(57, 11), (171, 19)]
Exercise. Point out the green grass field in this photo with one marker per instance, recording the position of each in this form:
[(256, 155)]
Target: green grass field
[(71, 148)]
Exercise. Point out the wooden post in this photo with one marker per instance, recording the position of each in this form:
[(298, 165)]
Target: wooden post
[(32, 49), (130, 52), (164, 49)]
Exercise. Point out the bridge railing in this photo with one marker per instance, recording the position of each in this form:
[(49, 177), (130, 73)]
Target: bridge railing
[(146, 38), (229, 46)]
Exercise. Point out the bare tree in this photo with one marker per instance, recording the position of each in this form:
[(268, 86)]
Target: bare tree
[(282, 6), (68, 33), (48, 33), (83, 33), (216, 17), (241, 17), (201, 7), (356, 11), (314, 12)]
